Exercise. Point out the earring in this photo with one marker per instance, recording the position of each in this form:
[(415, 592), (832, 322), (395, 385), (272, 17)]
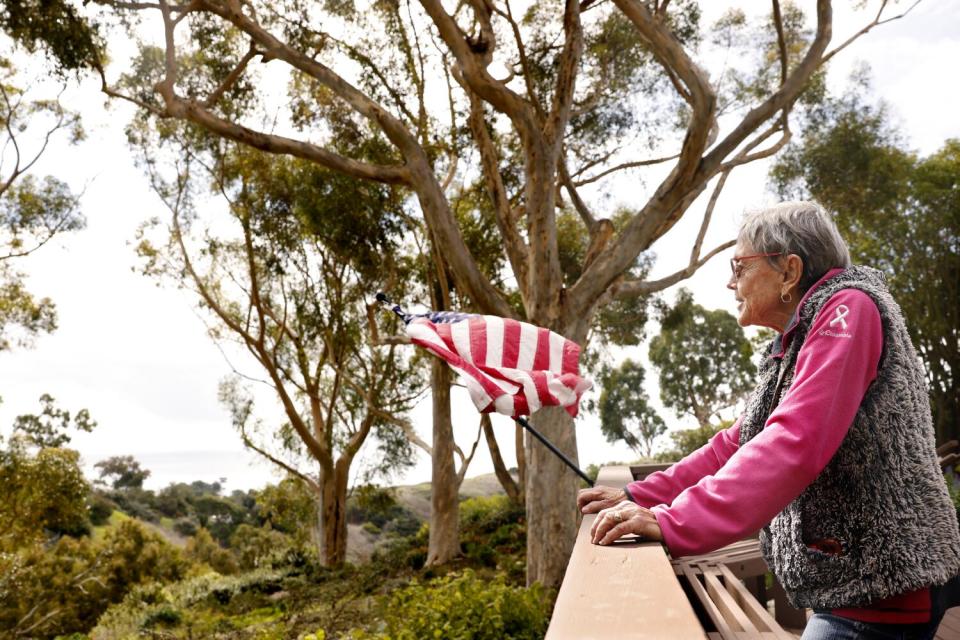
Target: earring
[(786, 298)]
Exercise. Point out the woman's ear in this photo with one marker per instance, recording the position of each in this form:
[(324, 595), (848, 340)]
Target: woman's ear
[(793, 271)]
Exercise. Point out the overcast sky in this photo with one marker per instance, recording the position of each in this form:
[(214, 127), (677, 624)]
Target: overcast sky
[(137, 355)]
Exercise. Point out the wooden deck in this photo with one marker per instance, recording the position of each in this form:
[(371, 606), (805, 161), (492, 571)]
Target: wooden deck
[(606, 590), (950, 627)]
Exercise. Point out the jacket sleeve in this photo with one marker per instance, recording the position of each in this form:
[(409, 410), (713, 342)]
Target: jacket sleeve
[(661, 487), (835, 365)]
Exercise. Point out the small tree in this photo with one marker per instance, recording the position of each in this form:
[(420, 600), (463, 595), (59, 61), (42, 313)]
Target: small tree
[(625, 411), (703, 360), (122, 472)]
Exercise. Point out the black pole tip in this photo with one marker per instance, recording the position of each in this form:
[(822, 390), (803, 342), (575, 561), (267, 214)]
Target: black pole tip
[(382, 297)]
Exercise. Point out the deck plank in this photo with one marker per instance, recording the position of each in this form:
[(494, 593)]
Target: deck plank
[(950, 625)]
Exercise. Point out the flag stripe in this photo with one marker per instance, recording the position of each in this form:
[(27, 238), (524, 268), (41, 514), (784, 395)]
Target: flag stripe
[(511, 344), (508, 366), (541, 359)]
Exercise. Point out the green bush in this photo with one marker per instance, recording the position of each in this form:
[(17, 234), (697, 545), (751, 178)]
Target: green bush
[(79, 578), (492, 534), (484, 514), (99, 507), (155, 605), (261, 547), (461, 607)]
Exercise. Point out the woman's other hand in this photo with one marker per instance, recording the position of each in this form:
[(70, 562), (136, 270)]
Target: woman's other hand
[(599, 497), (623, 519)]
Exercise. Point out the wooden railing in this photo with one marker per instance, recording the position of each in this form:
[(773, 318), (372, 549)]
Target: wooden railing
[(627, 591)]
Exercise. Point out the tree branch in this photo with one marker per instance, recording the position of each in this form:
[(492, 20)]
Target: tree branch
[(785, 95), (310, 482), (514, 245), (670, 54), (465, 462), (633, 288), (874, 23), (231, 78), (625, 165)]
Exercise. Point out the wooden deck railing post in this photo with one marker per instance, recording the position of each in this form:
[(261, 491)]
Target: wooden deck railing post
[(626, 591)]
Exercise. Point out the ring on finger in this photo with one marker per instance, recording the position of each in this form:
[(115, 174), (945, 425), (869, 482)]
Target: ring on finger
[(618, 516)]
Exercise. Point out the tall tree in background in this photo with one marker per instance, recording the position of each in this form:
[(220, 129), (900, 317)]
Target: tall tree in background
[(286, 278), (550, 104), (33, 210), (899, 213), (625, 411), (703, 360)]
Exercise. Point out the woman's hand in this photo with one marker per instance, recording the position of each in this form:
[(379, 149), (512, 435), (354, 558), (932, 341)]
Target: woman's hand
[(600, 497), (626, 517)]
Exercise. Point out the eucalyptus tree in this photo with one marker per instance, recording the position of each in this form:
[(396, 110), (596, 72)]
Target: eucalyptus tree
[(703, 360), (900, 213), (546, 104), (625, 411), (287, 278)]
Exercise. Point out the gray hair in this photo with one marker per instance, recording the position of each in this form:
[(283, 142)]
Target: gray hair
[(803, 228)]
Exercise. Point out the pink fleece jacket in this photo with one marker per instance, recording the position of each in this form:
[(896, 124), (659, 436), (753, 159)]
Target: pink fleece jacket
[(723, 492)]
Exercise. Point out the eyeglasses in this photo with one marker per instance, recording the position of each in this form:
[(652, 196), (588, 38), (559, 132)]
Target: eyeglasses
[(736, 268)]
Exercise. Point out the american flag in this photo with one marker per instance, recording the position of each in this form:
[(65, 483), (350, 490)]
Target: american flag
[(509, 367)]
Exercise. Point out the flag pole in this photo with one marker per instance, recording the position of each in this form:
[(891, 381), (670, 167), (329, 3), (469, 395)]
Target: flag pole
[(383, 298), (549, 445)]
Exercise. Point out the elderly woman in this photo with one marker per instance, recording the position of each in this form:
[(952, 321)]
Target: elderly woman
[(833, 458)]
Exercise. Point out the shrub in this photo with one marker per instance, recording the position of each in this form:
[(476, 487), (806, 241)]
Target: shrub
[(100, 507), (492, 533), (487, 513), (185, 527), (464, 606), (155, 605), (202, 548), (259, 547), (79, 578)]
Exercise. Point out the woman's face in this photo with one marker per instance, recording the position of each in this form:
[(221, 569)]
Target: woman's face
[(757, 291)]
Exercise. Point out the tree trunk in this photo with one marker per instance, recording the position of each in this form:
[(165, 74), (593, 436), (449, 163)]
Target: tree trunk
[(506, 480), (333, 514), (551, 498), (444, 544)]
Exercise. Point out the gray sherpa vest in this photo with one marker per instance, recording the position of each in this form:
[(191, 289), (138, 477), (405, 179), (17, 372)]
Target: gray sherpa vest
[(881, 495)]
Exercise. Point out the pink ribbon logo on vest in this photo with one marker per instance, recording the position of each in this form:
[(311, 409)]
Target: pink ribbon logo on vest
[(841, 313)]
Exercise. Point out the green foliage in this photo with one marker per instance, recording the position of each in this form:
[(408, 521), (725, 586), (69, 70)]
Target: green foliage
[(122, 472), (49, 428), (625, 411), (74, 580), (203, 549), (100, 508), (43, 494), (899, 213), (464, 606), (493, 534), (57, 28), (262, 547), (289, 507), (377, 506), (32, 210), (186, 602), (703, 359), (686, 441)]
